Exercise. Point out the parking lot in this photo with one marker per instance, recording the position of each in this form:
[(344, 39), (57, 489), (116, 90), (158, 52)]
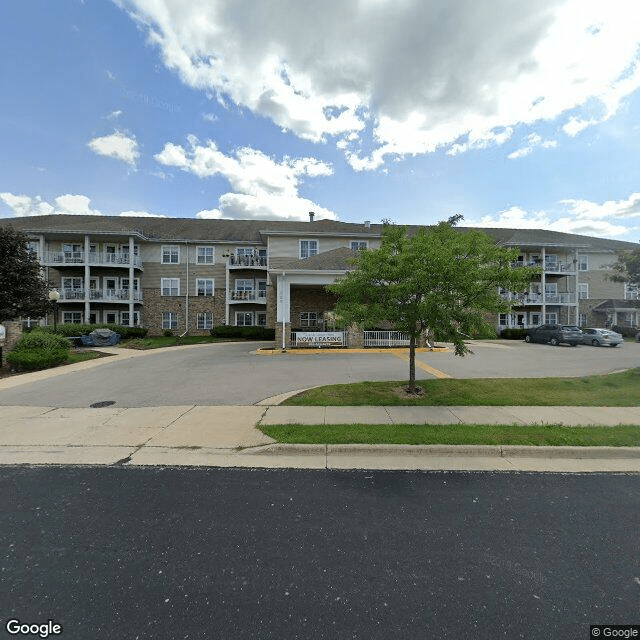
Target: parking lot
[(233, 374)]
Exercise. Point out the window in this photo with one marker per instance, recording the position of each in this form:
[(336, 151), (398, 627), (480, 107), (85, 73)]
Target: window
[(582, 319), (503, 319), (205, 320), (170, 286), (358, 245), (244, 251), (535, 319), (551, 318), (631, 292), (204, 286), (551, 261), (244, 319), (308, 248), (32, 248), (205, 255), (169, 320), (72, 317), (72, 283), (170, 254), (125, 318), (262, 319), (112, 317), (262, 289), (308, 319), (244, 285), (583, 263), (124, 284), (583, 291), (110, 286), (551, 288)]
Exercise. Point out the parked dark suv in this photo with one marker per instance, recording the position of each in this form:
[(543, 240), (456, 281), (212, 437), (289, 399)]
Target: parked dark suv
[(555, 334)]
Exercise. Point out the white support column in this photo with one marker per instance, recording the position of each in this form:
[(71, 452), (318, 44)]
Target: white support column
[(227, 296), (87, 277), (543, 282), (131, 278)]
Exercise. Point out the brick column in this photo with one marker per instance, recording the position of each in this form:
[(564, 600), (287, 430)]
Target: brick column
[(355, 337), (287, 335), (13, 334)]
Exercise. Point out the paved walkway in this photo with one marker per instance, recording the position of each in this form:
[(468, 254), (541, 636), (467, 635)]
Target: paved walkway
[(227, 436)]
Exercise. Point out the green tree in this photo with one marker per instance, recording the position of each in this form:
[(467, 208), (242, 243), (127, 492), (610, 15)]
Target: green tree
[(438, 278), (23, 290), (627, 267)]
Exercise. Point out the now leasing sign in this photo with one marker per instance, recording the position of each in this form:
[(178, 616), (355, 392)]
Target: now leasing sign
[(319, 338)]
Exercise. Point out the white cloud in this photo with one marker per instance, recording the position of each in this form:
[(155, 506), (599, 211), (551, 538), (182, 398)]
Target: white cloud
[(26, 205), (575, 125), (262, 187), (67, 204), (405, 77), (118, 145), (140, 214), (533, 140), (114, 115), (583, 217)]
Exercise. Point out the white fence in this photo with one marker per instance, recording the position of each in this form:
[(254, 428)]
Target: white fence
[(385, 339)]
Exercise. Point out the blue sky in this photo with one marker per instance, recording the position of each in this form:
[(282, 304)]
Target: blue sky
[(516, 113)]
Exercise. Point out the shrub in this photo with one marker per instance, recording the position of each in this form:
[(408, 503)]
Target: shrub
[(248, 333), (513, 333), (627, 332), (167, 333), (69, 330), (39, 349)]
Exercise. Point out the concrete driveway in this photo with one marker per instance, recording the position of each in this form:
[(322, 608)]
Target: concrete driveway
[(232, 373)]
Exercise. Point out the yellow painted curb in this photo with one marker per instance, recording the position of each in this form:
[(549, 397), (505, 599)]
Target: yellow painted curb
[(391, 350)]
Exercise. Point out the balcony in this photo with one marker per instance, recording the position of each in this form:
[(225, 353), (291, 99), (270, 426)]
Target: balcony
[(99, 295), (538, 298), (259, 297), (75, 258), (247, 262)]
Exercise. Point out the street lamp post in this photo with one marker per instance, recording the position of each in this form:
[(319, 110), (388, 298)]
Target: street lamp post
[(54, 296)]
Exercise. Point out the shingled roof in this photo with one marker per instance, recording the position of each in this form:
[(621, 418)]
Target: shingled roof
[(334, 260), (254, 231)]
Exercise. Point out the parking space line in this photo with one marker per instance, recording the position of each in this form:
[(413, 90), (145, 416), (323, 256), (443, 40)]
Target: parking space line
[(403, 355)]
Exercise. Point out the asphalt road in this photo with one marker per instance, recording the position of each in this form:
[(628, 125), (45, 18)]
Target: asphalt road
[(232, 374), (231, 554)]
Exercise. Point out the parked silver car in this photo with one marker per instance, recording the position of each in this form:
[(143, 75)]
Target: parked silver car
[(600, 337)]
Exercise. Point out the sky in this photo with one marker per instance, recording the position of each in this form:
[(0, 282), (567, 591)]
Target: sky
[(512, 113)]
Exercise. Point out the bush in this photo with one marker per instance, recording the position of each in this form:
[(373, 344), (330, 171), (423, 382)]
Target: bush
[(39, 349), (627, 332), (69, 330), (248, 333), (167, 333), (513, 333)]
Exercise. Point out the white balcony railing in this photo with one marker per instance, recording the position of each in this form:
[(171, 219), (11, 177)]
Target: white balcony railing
[(538, 298), (98, 258), (115, 295), (248, 296)]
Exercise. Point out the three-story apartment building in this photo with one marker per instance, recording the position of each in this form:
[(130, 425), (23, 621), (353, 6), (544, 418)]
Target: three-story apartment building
[(188, 275)]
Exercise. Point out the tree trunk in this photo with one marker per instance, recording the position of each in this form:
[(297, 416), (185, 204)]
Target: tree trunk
[(412, 364)]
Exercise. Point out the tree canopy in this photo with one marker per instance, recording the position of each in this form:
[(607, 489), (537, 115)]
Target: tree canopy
[(438, 278), (627, 267), (23, 290)]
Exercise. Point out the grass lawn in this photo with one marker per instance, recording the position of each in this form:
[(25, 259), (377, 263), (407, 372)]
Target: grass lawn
[(615, 390), (156, 342), (458, 434), (82, 356)]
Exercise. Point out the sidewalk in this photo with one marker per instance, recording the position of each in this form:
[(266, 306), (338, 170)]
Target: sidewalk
[(227, 436)]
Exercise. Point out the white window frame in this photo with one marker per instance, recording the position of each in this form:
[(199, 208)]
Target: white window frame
[(583, 262), (169, 320), (582, 320), (244, 252), (205, 320), (168, 286), (74, 283), (170, 254), (311, 248), (205, 254), (115, 317), (583, 291), (306, 319), (75, 317), (203, 285), (631, 291), (244, 315), (551, 318), (358, 245), (550, 289), (262, 289), (535, 319), (245, 284), (261, 318), (124, 284)]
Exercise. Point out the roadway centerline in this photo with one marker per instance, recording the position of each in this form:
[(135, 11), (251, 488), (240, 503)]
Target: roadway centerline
[(403, 355)]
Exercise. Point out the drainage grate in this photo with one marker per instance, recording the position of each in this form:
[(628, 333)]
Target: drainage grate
[(103, 403)]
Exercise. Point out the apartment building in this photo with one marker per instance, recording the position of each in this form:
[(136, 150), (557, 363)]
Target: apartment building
[(189, 275)]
